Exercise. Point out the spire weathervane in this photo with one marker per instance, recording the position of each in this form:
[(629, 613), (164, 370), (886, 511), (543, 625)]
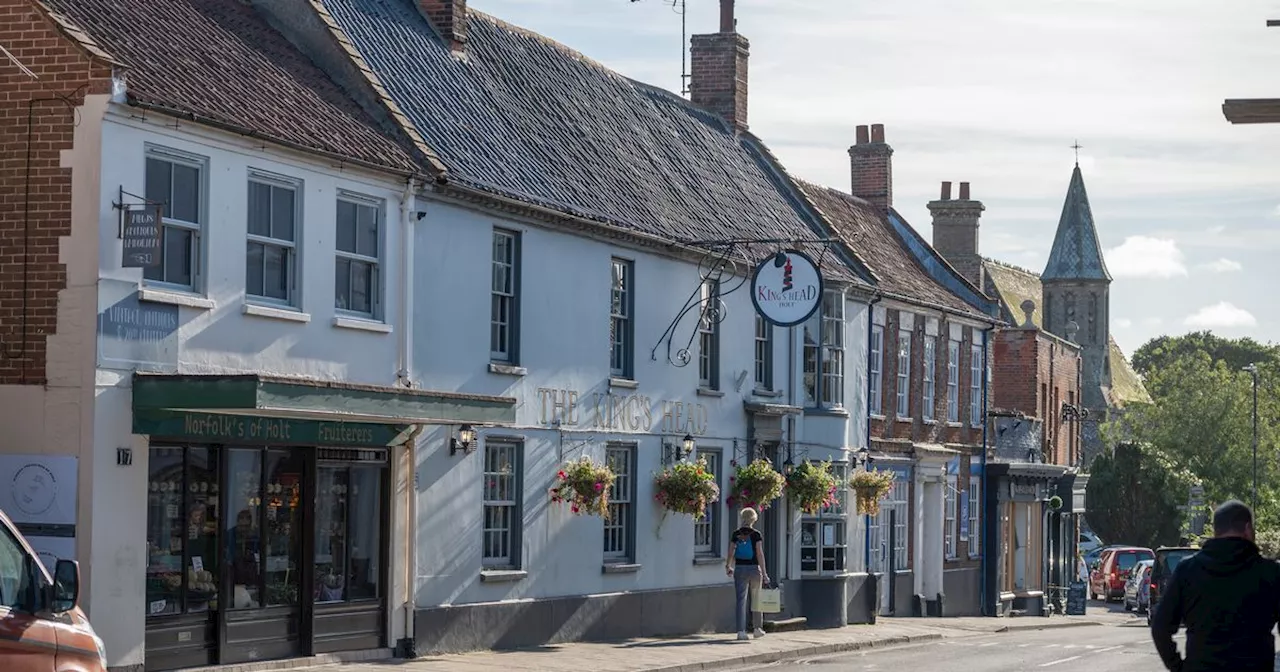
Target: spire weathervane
[(1077, 148)]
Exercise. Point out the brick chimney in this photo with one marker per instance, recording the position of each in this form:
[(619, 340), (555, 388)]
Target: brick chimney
[(872, 165), (955, 232), (718, 73), (449, 18)]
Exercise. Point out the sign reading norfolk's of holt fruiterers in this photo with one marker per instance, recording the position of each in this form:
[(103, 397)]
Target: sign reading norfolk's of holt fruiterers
[(786, 288), (141, 237)]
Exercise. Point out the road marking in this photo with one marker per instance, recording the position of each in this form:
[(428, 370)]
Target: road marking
[(1064, 660), (1110, 648), (987, 644)]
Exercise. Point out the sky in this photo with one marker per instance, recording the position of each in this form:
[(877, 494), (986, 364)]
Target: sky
[(995, 93)]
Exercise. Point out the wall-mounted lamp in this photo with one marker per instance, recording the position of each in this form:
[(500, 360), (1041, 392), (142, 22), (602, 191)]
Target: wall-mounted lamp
[(678, 451), (789, 465), (862, 457), (464, 442)]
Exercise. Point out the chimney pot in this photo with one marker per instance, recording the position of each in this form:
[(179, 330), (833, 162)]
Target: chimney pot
[(946, 191), (871, 163), (877, 132), (718, 71), (864, 134), (728, 24), (964, 191)]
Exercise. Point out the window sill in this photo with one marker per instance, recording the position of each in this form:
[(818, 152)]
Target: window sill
[(361, 325), (904, 419), (620, 568), (832, 412), (507, 369), (708, 392), (175, 299), (502, 575), (271, 313), (626, 383), (955, 425), (772, 394), (929, 421), (876, 416), (700, 560)]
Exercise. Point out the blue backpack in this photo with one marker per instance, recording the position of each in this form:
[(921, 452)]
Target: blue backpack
[(743, 549)]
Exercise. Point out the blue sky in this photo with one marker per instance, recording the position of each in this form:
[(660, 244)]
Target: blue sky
[(994, 92)]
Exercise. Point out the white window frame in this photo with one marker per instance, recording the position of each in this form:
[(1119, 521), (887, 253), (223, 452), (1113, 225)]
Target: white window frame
[(951, 530), (813, 529), (824, 349), (293, 249), (975, 517), (378, 282), (953, 381), (976, 372), (620, 529), (904, 374), (707, 532), (928, 378), (764, 354), (504, 297), (197, 228), (875, 372), (878, 531), (709, 336), (622, 348), (504, 529)]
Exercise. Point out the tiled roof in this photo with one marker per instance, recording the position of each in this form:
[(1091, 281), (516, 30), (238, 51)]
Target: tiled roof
[(1014, 285), (526, 118), (218, 62), (883, 250), (1076, 253)]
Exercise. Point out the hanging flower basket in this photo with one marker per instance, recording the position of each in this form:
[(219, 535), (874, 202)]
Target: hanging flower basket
[(584, 484), (755, 485), (870, 487), (686, 487), (812, 486)]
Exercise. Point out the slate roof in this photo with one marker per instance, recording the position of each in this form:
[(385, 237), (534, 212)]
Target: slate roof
[(524, 117), (1014, 285), (883, 250), (218, 62), (1076, 253)]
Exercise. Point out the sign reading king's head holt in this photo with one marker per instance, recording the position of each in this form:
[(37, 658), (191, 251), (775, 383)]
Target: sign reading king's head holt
[(786, 288)]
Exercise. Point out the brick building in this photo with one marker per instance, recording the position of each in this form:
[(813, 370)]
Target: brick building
[(929, 358)]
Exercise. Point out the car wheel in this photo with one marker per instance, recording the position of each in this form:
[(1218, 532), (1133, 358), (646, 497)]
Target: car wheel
[(1127, 607)]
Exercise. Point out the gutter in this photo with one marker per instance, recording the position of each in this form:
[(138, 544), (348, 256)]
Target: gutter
[(408, 215), (866, 519), (986, 547)]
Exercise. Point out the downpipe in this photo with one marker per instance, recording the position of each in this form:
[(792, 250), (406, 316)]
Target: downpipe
[(411, 538), (866, 520), (985, 602), (408, 215)]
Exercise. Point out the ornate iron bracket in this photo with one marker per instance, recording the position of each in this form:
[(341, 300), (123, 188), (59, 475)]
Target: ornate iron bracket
[(1074, 413)]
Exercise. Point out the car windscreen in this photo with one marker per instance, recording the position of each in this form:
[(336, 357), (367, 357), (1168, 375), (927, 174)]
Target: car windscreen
[(1167, 560)]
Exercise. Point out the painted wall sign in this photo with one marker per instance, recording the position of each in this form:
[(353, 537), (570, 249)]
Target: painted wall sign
[(141, 237), (786, 288), (217, 427), (135, 334), (620, 412)]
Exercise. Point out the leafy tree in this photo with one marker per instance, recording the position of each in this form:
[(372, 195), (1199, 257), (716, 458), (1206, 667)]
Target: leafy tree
[(1134, 496), (1236, 353)]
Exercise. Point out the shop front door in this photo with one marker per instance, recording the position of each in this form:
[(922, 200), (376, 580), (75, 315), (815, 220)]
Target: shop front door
[(262, 541)]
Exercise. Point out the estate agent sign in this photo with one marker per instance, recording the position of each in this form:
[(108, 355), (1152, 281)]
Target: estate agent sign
[(786, 288)]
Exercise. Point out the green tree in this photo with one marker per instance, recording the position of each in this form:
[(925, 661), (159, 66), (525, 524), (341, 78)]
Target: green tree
[(1134, 496)]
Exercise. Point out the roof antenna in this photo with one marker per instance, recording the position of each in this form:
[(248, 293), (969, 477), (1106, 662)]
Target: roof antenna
[(678, 6), (1077, 148)]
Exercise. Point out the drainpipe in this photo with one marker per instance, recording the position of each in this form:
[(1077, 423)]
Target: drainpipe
[(986, 550), (411, 535), (791, 436), (408, 215), (866, 520)]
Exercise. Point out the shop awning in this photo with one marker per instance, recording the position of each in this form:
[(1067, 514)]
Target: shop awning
[(1029, 470), (363, 414)]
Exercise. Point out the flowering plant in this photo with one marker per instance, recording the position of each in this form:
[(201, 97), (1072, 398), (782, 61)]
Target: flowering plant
[(755, 485), (870, 487), (812, 486), (686, 487), (584, 484)]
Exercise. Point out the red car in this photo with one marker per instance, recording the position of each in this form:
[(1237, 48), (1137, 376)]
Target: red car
[(1106, 582)]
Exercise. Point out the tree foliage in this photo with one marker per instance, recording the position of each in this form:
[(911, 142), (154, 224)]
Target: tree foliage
[(1201, 416), (1133, 496)]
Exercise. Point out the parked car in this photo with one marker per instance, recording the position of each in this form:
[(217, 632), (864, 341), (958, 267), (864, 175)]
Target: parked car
[(1088, 543), (1137, 595), (41, 624), (1092, 558), (1115, 565), (1166, 558)]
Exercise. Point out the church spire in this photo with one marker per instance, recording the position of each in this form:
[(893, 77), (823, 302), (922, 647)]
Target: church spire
[(1076, 254)]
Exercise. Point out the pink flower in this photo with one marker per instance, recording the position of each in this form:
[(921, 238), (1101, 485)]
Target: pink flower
[(561, 474), (575, 508), (599, 487)]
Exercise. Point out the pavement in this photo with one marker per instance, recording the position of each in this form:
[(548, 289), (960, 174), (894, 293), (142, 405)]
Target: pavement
[(720, 651)]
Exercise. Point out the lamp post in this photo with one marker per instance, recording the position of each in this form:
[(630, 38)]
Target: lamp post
[(1253, 371)]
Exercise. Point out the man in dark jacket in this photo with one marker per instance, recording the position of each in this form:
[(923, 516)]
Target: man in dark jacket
[(1228, 596)]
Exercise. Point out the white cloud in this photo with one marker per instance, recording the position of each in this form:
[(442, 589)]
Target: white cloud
[(1221, 314), (1222, 265), (1146, 257), (1123, 323)]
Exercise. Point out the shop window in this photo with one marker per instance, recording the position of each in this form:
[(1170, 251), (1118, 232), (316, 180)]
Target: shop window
[(264, 534), (823, 544), (182, 530), (348, 533)]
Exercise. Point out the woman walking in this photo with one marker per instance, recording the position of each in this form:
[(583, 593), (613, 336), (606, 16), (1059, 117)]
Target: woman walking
[(745, 563)]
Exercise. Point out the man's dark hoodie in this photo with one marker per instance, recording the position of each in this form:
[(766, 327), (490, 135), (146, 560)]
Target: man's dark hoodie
[(1228, 596)]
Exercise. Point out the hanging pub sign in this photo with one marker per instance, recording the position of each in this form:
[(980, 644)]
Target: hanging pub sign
[(786, 288), (141, 236)]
